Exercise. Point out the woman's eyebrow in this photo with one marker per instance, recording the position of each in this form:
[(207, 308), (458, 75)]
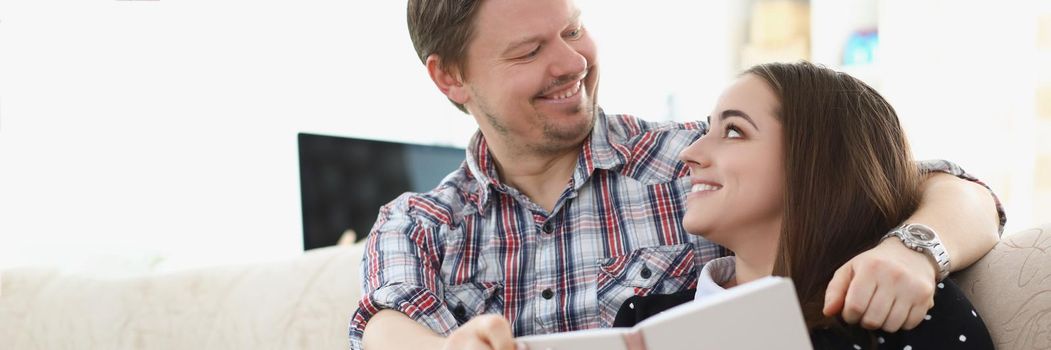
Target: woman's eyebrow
[(735, 113)]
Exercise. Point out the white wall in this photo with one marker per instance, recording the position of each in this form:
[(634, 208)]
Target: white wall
[(139, 136), (164, 133), (159, 135), (962, 76)]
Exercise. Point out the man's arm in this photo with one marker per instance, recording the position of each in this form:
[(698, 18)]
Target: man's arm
[(400, 274), (963, 213), (390, 329), (402, 305), (891, 287)]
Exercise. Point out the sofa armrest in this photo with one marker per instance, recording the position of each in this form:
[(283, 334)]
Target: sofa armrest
[(1011, 288)]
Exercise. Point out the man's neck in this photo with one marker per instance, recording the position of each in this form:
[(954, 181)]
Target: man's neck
[(540, 176)]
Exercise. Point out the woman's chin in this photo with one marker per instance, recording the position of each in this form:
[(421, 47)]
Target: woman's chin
[(696, 226)]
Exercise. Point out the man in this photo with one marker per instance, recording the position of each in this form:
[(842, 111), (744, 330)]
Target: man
[(562, 212)]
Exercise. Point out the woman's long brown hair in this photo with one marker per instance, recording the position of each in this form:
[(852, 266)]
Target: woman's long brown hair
[(850, 177)]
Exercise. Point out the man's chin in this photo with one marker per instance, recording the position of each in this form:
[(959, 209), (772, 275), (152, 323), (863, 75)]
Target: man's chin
[(572, 126)]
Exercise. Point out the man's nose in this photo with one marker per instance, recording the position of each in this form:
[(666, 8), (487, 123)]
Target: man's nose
[(568, 61)]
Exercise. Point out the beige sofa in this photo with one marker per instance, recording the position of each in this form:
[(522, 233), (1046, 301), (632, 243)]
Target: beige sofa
[(306, 303)]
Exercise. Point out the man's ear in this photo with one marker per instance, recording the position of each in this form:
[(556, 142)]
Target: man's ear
[(450, 82)]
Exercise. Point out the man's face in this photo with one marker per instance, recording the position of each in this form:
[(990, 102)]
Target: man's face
[(530, 75)]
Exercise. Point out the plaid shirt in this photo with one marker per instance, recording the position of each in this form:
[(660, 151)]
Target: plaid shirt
[(476, 246)]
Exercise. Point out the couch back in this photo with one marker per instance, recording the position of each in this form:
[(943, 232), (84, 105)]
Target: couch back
[(1011, 288), (305, 303)]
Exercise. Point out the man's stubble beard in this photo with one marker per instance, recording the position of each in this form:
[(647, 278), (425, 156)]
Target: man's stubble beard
[(555, 140)]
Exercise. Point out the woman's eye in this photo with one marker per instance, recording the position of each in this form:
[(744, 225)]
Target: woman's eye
[(733, 133), (574, 34)]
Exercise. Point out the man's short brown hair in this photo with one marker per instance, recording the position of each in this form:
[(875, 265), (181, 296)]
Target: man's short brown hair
[(443, 28)]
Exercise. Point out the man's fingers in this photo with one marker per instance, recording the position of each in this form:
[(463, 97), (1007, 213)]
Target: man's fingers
[(859, 294), (836, 291), (465, 339), (485, 332), (899, 313), (916, 316), (879, 307), (498, 332)]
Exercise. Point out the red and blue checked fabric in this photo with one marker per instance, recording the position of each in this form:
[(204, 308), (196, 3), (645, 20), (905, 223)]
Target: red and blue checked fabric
[(476, 246)]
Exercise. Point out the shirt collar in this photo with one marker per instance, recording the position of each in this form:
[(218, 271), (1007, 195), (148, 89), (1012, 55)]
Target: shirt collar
[(713, 275), (602, 150), (482, 169), (599, 151)]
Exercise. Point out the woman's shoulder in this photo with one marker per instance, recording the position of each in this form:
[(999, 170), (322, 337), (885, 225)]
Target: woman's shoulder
[(638, 308), (952, 323)]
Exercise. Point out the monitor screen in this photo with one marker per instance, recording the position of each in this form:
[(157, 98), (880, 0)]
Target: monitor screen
[(344, 181)]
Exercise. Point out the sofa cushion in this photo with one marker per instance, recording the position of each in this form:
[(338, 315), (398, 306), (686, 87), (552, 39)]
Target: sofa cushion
[(1011, 288), (304, 303)]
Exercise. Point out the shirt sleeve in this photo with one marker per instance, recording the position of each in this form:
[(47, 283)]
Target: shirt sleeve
[(400, 270), (944, 166)]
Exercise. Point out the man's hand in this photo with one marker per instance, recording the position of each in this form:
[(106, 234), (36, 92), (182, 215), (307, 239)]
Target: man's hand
[(888, 287), (485, 332)]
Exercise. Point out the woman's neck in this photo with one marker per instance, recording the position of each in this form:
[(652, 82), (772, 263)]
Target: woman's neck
[(754, 253), (751, 268)]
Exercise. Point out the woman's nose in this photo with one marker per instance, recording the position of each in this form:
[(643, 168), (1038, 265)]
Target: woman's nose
[(696, 153)]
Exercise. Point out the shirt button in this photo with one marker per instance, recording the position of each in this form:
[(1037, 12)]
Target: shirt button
[(460, 312), (547, 294), (646, 273), (549, 227)]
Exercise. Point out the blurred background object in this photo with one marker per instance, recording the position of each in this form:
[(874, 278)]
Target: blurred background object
[(344, 181), (779, 30), (136, 142)]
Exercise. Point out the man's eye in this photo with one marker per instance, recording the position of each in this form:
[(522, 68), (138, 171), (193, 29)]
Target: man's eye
[(533, 53), (575, 33), (733, 133)]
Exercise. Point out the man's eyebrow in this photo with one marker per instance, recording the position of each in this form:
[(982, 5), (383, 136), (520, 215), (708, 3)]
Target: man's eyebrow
[(736, 113), (574, 18), (521, 42)]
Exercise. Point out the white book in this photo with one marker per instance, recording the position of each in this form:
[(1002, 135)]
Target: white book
[(763, 314)]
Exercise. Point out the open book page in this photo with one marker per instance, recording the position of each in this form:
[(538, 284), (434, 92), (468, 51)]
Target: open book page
[(763, 314), (605, 339)]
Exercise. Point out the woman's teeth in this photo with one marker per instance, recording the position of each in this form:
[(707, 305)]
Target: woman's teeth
[(704, 187)]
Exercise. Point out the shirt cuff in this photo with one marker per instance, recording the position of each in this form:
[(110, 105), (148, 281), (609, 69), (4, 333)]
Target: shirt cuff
[(419, 303), (944, 166)]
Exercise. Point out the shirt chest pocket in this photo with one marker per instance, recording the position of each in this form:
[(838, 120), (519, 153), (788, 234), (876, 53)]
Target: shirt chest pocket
[(652, 270), (471, 299)]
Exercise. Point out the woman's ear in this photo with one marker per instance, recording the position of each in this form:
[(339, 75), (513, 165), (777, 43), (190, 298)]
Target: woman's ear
[(450, 82)]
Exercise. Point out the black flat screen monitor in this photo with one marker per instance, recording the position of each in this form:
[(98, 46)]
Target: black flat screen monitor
[(344, 181)]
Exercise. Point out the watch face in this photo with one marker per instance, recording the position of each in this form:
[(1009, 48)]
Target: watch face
[(921, 233)]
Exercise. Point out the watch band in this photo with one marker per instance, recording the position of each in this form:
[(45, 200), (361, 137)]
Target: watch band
[(925, 240)]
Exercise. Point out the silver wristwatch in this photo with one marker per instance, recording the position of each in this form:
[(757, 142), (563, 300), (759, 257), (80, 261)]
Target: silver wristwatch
[(923, 239)]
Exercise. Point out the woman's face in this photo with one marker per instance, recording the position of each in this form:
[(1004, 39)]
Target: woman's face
[(737, 168)]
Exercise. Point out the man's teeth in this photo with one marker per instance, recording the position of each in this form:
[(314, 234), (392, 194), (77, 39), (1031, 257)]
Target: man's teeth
[(566, 93), (704, 187)]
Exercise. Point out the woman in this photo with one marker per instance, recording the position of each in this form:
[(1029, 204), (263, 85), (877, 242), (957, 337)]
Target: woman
[(802, 169)]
